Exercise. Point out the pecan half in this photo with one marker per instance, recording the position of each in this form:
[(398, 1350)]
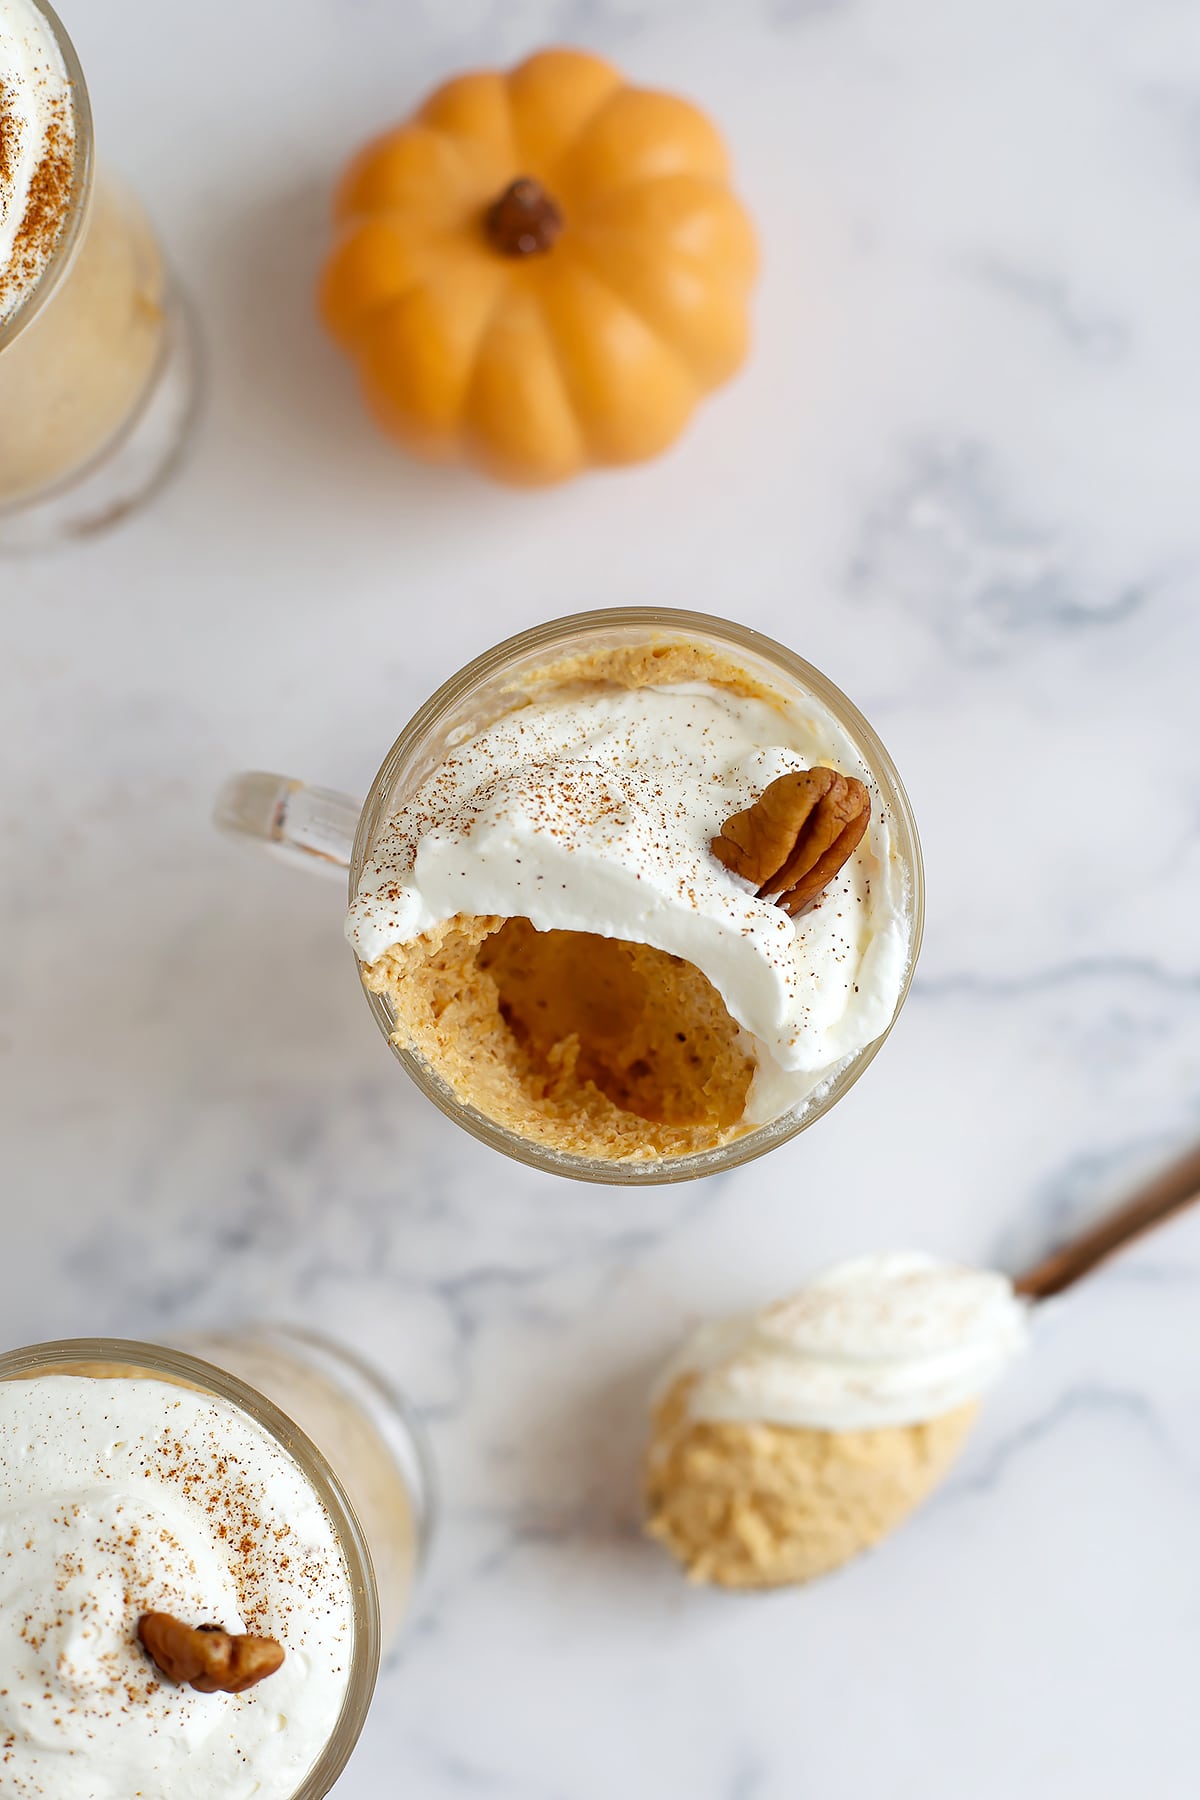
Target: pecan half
[(797, 835), (207, 1658)]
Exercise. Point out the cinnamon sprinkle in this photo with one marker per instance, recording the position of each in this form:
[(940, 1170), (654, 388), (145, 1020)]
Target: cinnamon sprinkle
[(47, 201), (10, 133)]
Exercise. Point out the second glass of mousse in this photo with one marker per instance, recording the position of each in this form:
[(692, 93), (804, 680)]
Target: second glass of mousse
[(635, 897), (195, 1587)]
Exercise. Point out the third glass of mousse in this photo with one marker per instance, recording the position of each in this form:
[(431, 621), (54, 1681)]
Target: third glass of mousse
[(635, 896), (97, 363), (201, 1559)]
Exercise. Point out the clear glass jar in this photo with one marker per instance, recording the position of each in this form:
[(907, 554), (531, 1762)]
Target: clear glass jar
[(364, 1428), (319, 827), (354, 1440), (98, 364)]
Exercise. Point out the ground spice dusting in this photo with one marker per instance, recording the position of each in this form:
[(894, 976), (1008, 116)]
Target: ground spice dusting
[(233, 1506), (10, 132), (47, 202)]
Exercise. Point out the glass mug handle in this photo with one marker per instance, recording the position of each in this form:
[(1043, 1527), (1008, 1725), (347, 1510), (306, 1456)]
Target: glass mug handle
[(312, 826)]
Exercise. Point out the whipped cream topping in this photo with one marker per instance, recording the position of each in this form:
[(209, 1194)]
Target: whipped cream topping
[(893, 1339), (595, 813), (36, 133), (119, 1497)]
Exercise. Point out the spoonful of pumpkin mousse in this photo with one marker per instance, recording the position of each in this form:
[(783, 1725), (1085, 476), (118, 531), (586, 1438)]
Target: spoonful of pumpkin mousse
[(788, 1440)]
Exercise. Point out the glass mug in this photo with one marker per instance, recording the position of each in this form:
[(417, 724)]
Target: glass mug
[(98, 363), (323, 829), (356, 1442)]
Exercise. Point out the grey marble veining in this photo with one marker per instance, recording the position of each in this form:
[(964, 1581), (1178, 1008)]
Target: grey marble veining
[(959, 475)]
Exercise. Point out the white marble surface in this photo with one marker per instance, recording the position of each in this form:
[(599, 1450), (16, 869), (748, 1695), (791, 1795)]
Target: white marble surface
[(960, 475)]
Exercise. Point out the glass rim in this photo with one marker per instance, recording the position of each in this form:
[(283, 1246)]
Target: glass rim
[(82, 172), (672, 622), (193, 1370)]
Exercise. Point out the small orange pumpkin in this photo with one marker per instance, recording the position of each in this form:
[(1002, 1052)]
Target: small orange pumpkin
[(543, 270)]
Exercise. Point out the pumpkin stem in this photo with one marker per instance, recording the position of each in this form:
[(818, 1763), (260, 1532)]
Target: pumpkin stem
[(524, 220)]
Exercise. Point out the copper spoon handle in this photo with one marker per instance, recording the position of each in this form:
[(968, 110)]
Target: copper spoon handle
[(1172, 1192)]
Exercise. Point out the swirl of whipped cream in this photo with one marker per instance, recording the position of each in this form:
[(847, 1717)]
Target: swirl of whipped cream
[(595, 813), (124, 1496), (886, 1340)]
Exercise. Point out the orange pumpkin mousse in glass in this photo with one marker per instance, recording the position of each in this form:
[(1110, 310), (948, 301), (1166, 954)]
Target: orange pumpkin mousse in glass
[(544, 270), (649, 903)]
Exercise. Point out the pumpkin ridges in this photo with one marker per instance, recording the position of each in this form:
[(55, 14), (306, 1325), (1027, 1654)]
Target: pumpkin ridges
[(555, 82), (610, 373), (599, 276), (417, 356), (407, 171), (640, 134), (693, 296), (482, 174), (519, 421), (371, 265), (475, 108), (710, 331), (663, 212), (351, 292)]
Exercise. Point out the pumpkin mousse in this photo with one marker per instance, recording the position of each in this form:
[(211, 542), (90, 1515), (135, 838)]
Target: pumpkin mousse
[(597, 922), (787, 1441)]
